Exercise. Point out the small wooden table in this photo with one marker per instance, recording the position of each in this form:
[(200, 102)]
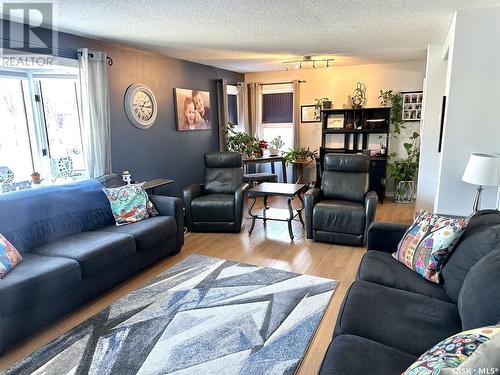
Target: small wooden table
[(268, 189), (269, 159), (300, 169), (157, 182)]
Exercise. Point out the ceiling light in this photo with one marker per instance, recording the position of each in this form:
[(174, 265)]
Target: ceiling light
[(310, 62)]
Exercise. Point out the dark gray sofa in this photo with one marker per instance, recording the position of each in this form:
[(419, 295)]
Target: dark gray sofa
[(391, 315), (72, 251)]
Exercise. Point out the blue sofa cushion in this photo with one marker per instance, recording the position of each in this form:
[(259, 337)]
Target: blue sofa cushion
[(94, 251), (410, 322), (36, 279), (348, 354), (148, 233), (481, 236), (381, 268), (34, 217), (479, 300)]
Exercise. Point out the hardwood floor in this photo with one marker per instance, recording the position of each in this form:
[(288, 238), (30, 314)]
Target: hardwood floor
[(268, 246)]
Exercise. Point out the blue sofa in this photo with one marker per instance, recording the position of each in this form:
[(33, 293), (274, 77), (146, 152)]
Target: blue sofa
[(73, 251), (391, 315)]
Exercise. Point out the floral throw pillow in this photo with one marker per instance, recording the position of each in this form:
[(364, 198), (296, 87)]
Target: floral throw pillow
[(129, 203), (428, 242), (456, 351), (9, 256)]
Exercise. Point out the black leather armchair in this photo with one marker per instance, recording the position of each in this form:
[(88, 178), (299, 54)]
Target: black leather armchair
[(217, 205), (343, 209)]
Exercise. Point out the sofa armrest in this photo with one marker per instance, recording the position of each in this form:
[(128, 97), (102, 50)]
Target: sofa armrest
[(189, 193), (371, 201), (171, 206), (385, 236), (239, 201), (311, 197)]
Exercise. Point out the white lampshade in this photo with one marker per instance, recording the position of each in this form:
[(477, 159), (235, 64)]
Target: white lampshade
[(483, 169)]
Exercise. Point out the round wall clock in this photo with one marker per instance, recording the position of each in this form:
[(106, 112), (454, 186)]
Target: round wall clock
[(140, 106)]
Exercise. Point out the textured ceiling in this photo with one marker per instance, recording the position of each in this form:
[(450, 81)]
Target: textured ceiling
[(255, 35)]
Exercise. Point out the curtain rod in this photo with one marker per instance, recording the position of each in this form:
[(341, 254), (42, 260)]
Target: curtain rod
[(109, 60), (280, 83)]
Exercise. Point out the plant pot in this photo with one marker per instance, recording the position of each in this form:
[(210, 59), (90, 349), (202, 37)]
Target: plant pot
[(403, 192), (274, 151), (327, 104)]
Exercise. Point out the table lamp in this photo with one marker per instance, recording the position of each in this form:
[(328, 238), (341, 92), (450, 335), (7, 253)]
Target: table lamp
[(482, 170)]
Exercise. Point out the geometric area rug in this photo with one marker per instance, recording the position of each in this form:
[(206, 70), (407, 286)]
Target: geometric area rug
[(202, 316)]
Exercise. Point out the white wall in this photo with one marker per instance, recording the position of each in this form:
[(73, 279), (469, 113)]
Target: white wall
[(472, 122), (338, 82), (434, 89)]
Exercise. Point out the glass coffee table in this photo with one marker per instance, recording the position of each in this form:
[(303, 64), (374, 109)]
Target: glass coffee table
[(270, 189)]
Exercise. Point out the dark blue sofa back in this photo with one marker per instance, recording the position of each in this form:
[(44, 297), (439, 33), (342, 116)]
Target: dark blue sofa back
[(31, 218)]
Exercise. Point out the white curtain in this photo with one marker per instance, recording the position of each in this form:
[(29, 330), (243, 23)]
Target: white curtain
[(242, 107), (296, 113), (255, 108), (94, 111)]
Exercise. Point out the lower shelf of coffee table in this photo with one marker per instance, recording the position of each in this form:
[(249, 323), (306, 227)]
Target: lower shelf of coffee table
[(277, 214)]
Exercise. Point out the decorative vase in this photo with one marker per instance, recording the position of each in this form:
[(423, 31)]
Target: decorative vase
[(327, 104), (404, 192), (274, 151)]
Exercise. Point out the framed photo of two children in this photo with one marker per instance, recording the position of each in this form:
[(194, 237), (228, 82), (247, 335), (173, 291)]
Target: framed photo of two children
[(192, 109)]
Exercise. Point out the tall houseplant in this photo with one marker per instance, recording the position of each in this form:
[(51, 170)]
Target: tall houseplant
[(404, 170)]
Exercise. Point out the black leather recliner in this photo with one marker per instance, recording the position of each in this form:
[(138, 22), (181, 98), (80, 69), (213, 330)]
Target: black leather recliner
[(343, 209), (217, 205)]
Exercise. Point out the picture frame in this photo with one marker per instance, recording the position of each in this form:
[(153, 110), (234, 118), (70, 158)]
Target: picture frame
[(309, 114), (335, 121), (192, 110), (412, 105)]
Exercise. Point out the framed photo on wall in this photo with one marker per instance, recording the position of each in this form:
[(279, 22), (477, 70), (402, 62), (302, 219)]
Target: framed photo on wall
[(309, 114), (412, 105), (192, 109)]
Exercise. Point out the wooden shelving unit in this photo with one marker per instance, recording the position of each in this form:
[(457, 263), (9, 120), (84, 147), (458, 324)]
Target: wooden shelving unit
[(358, 124)]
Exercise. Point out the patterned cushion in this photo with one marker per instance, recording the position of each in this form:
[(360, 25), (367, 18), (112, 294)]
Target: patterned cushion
[(130, 203), (9, 256), (452, 352), (428, 242)]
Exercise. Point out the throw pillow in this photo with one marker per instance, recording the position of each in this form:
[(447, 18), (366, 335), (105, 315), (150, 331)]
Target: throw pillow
[(455, 351), (428, 242), (9, 256), (129, 203)]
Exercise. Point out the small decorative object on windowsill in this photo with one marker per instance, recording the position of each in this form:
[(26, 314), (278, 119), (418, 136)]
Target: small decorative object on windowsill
[(275, 146), (126, 177), (35, 178), (482, 170)]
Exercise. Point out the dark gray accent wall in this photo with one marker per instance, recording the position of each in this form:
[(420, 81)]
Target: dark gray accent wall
[(161, 151)]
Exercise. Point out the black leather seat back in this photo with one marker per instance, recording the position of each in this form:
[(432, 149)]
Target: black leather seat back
[(345, 177), (223, 172)]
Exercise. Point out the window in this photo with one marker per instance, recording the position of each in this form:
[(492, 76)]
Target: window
[(39, 122), (277, 108), (232, 108)]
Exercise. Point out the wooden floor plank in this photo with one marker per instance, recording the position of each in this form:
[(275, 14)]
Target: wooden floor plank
[(268, 246)]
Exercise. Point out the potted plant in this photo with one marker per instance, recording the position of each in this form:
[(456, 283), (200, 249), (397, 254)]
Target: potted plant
[(404, 170), (390, 99), (247, 145), (276, 145), (35, 178), (321, 103), (300, 154)]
